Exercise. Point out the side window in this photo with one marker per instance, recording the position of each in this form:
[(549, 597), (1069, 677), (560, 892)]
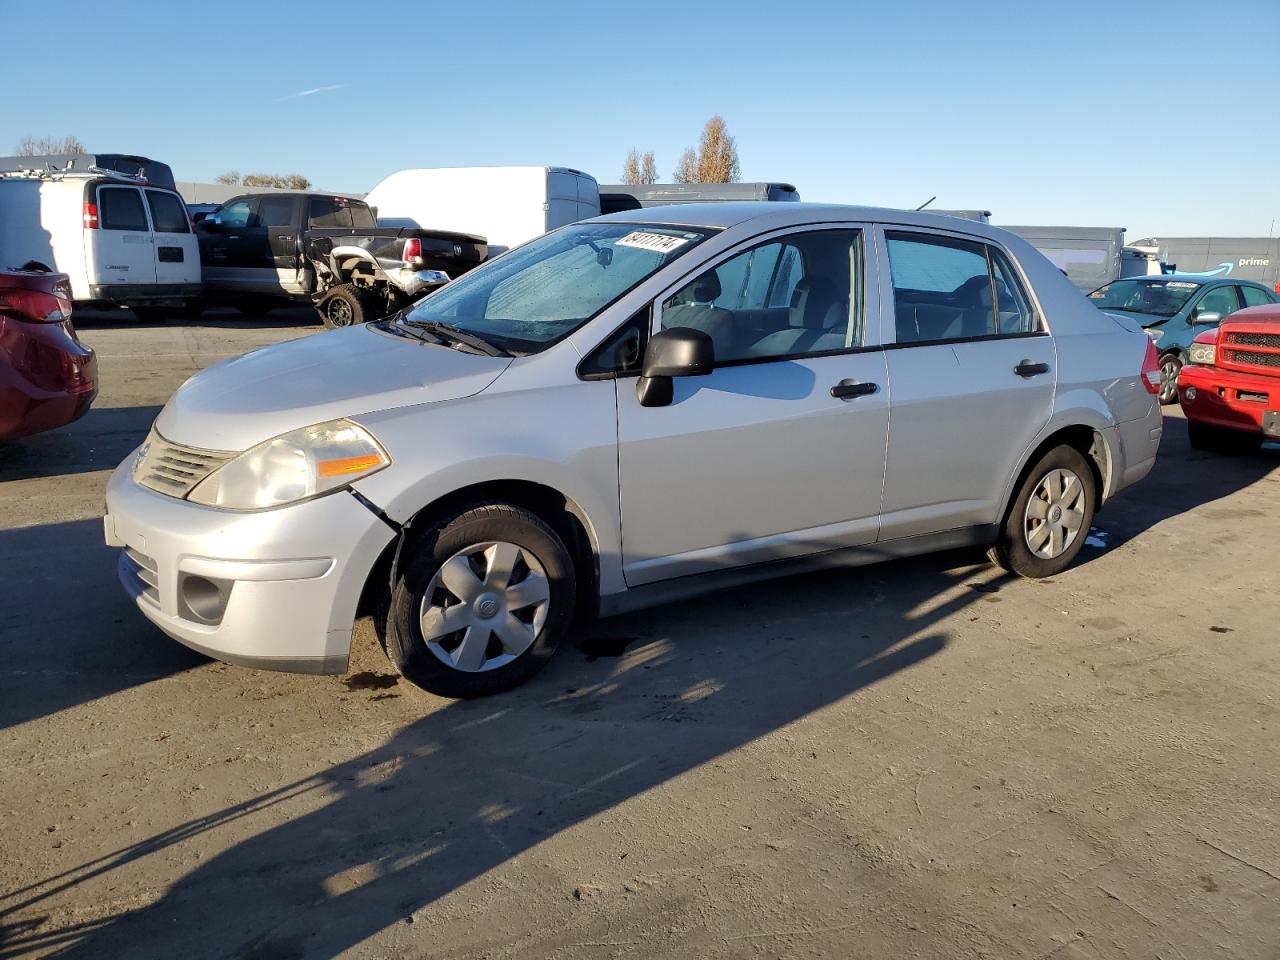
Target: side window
[(120, 208), (1255, 297), (167, 212), (275, 211), (793, 296), (622, 352), (1223, 300), (234, 214), (328, 212), (1013, 306), (950, 289)]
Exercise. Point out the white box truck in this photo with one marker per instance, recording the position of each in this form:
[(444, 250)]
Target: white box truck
[(506, 205)]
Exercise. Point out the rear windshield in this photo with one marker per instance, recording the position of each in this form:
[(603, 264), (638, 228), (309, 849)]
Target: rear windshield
[(339, 212), (1156, 298), (120, 208), (167, 212)]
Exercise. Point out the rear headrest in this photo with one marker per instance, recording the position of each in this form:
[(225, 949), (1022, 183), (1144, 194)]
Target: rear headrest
[(706, 288)]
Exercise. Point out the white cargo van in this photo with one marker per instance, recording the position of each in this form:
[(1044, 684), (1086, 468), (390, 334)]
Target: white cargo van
[(505, 205), (120, 239)]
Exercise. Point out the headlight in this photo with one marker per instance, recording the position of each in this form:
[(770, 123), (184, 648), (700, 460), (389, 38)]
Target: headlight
[(294, 466), (1202, 354), (1155, 335)]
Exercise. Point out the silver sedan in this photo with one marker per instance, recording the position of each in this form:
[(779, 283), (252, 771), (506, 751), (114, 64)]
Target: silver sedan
[(627, 410)]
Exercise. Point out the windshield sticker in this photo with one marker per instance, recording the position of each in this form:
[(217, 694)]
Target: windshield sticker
[(1181, 285), (657, 242)]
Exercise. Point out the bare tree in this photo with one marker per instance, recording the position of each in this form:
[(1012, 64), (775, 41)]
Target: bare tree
[(291, 181), (40, 146), (717, 154), (631, 168), (648, 168), (231, 178), (687, 168)]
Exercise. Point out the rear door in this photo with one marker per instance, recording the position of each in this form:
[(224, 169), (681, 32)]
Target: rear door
[(122, 250), (972, 372), (176, 250)]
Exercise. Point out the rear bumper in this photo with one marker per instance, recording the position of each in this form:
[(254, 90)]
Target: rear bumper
[(1221, 398), (129, 293)]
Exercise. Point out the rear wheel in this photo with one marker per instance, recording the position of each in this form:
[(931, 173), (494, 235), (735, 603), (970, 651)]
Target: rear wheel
[(1207, 437), (1049, 518), (344, 306), (481, 602), (1170, 367)]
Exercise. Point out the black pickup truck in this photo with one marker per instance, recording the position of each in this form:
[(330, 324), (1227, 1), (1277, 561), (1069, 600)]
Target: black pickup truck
[(258, 251)]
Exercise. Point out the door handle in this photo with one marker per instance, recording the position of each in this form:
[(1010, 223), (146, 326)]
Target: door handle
[(848, 389), (285, 238), (1028, 369)]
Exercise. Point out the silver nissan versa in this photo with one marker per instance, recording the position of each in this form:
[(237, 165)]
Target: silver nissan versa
[(627, 410)]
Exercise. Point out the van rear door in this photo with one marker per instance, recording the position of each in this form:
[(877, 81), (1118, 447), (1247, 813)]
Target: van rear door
[(177, 253), (121, 250)]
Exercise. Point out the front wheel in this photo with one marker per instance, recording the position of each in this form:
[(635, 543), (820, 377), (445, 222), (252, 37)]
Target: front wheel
[(481, 602), (1170, 367), (1049, 518)]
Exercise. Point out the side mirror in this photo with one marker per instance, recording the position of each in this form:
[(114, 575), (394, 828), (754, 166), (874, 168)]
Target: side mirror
[(1208, 318), (675, 352), (210, 222)]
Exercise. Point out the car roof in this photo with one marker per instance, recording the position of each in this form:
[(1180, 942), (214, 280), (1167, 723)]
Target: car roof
[(767, 215), (1193, 278)]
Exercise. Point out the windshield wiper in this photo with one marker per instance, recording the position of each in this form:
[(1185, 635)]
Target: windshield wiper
[(447, 331)]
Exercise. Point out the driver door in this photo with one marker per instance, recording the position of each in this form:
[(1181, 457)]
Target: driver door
[(760, 460)]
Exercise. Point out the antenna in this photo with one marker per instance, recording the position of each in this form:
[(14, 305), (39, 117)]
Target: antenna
[(926, 203)]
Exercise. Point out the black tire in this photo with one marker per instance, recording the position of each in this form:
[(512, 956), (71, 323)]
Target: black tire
[(256, 306), (346, 305), (154, 314), (1012, 551), (423, 558), (1170, 367), (1205, 436)]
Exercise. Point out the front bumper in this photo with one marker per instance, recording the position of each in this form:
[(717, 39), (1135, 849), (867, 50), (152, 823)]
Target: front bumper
[(273, 589), (1236, 401)]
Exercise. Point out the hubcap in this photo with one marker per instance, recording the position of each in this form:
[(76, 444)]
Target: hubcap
[(339, 312), (485, 606), (1055, 514), (1169, 376)]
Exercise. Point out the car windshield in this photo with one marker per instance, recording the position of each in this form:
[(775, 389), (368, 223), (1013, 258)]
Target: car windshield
[(527, 299), (1157, 298)]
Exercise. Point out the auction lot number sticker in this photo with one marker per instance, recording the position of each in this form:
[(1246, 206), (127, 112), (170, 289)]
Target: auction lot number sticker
[(657, 242)]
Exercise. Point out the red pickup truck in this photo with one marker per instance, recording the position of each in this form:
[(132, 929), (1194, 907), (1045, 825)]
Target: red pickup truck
[(1230, 387)]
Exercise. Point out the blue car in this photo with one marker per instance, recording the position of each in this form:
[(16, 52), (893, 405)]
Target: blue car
[(1174, 308)]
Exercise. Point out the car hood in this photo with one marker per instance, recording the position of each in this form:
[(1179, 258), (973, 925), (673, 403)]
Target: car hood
[(1141, 319), (237, 403)]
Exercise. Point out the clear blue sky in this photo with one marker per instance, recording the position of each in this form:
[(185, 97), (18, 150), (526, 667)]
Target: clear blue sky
[(1160, 117)]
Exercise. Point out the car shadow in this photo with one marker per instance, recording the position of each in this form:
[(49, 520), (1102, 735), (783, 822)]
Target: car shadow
[(68, 632), (99, 440)]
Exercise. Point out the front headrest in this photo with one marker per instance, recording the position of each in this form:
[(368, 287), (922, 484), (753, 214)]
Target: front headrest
[(811, 303), (706, 288)]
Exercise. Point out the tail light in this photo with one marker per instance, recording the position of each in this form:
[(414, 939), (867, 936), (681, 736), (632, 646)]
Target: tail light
[(1151, 369), (412, 251), (35, 306), (90, 215)]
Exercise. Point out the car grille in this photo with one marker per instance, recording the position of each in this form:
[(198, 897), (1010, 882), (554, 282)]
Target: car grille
[(1248, 358), (171, 468), (142, 575), (1254, 339)]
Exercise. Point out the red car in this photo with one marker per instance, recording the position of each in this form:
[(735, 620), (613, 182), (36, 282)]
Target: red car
[(1230, 388), (48, 378)]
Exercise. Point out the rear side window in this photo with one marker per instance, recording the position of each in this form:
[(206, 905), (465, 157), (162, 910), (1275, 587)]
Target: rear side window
[(950, 289), (275, 211), (329, 212), (167, 212), (1253, 297), (120, 208)]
